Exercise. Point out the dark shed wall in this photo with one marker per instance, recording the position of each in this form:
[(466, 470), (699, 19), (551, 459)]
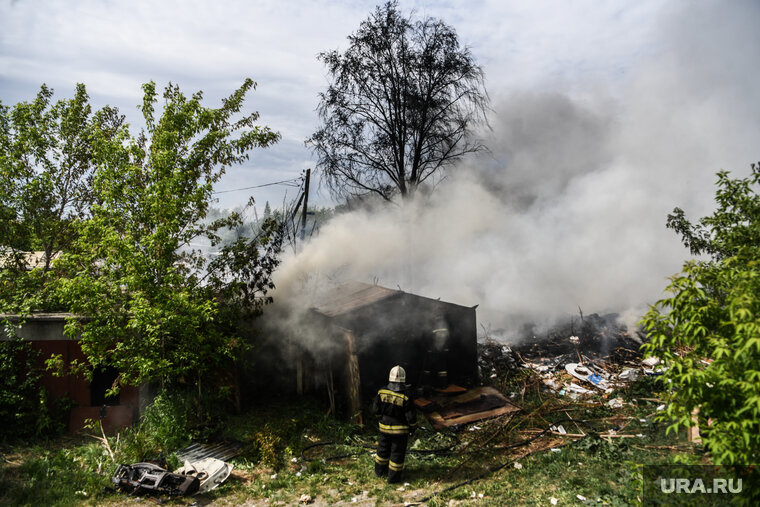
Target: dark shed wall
[(398, 330), (72, 386)]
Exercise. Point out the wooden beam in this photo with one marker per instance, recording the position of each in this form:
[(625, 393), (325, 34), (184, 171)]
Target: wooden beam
[(354, 380)]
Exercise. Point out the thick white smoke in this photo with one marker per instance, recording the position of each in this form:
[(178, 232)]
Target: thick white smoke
[(569, 208)]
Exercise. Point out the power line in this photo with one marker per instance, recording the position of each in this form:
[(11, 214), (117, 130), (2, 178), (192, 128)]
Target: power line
[(259, 186)]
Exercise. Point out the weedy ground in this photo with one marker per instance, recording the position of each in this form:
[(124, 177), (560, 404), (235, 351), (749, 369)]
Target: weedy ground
[(496, 462)]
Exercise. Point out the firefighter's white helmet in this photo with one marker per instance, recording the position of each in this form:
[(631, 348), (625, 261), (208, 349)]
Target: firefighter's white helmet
[(397, 375)]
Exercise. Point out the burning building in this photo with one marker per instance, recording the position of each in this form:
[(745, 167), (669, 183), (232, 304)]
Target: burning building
[(359, 331)]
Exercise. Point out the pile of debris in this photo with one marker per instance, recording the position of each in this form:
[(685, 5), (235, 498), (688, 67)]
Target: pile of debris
[(599, 338), (496, 359), (597, 353)]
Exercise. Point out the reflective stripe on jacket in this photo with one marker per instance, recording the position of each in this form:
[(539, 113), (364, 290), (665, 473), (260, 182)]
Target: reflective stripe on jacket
[(395, 409), (394, 398), (394, 429)]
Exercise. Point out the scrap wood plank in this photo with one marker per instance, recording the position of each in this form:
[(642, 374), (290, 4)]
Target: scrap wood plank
[(467, 396), (440, 423), (451, 389), (422, 402), (424, 405), (481, 404), (464, 408)]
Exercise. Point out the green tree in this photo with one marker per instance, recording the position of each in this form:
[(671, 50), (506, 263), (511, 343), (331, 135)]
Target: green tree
[(401, 106), (46, 171), (155, 307), (707, 331)]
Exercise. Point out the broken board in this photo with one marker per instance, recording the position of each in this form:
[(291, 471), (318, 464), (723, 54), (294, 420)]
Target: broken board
[(473, 405), (451, 389), (424, 405)]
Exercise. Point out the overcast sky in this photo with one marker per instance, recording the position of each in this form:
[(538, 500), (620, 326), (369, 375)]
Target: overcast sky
[(115, 46), (606, 115)]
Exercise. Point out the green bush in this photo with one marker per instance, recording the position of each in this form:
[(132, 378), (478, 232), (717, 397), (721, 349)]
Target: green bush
[(707, 331), (267, 444), (163, 429), (24, 406), (56, 477)]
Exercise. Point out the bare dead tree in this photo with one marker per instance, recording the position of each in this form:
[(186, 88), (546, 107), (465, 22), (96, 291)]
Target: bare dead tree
[(401, 106)]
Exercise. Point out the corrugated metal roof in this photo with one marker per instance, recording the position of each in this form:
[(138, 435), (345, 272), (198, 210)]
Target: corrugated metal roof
[(351, 296), (196, 452)]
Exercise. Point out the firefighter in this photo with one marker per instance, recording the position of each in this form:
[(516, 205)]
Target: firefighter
[(393, 405)]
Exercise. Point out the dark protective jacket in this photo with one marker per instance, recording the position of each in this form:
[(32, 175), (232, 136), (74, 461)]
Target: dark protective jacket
[(394, 406)]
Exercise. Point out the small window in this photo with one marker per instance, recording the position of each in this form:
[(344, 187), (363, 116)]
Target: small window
[(102, 381)]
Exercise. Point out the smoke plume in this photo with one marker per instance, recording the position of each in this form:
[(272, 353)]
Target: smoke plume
[(568, 210)]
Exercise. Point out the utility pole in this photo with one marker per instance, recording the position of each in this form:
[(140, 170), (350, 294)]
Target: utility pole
[(299, 362), (305, 204)]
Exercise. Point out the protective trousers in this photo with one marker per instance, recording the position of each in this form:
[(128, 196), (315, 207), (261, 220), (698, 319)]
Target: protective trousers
[(391, 451)]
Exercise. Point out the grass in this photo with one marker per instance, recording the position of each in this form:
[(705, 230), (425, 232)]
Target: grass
[(271, 469)]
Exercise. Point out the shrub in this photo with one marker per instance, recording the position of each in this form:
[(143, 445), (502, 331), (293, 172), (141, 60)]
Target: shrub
[(707, 331), (162, 430), (24, 407)]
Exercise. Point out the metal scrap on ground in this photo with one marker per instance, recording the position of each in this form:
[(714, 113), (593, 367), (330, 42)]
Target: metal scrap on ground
[(147, 478), (211, 472), (192, 478), (223, 451), (204, 469)]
